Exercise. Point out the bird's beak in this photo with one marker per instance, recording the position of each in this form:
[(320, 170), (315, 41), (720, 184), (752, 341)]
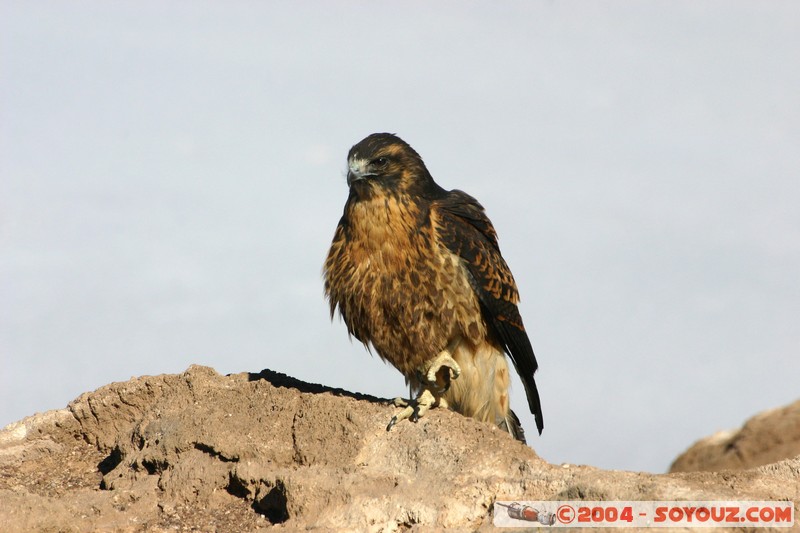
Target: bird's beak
[(357, 171), (353, 177)]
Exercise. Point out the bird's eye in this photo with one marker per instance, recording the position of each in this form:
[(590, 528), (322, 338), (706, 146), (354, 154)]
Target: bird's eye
[(380, 162)]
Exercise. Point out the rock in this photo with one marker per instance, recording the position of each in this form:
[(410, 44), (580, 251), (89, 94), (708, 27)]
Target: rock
[(201, 451), (766, 438)]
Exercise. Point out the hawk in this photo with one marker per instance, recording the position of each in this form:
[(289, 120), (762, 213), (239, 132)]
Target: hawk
[(416, 272)]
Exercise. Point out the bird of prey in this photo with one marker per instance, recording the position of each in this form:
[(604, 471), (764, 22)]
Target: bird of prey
[(416, 272)]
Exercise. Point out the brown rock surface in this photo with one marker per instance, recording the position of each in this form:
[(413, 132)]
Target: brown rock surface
[(766, 438), (200, 451)]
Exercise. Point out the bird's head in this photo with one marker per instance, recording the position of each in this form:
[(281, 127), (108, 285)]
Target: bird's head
[(384, 163)]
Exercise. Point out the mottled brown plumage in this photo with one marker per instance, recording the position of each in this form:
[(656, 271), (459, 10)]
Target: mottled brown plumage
[(414, 270)]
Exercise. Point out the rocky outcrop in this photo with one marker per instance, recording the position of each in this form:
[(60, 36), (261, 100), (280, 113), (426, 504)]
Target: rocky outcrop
[(766, 438), (201, 451)]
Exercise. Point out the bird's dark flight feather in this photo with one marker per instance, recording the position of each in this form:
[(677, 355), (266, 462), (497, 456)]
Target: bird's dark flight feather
[(467, 232)]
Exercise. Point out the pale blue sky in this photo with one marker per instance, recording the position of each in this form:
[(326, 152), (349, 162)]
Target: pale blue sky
[(171, 174)]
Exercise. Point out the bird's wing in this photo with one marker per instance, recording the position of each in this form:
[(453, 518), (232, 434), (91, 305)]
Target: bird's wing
[(466, 231)]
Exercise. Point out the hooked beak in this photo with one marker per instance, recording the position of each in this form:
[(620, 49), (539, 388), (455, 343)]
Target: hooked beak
[(353, 177), (357, 171)]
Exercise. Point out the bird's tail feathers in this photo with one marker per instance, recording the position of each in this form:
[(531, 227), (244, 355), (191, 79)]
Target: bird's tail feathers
[(481, 391), (533, 401), (512, 425)]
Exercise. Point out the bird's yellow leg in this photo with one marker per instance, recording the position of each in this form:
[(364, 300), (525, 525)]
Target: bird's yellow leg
[(416, 408), (437, 373), (443, 368)]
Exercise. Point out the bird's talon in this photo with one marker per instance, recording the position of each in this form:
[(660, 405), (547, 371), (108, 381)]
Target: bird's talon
[(401, 402), (441, 371), (413, 409)]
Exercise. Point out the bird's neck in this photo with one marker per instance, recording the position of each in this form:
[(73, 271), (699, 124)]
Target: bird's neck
[(385, 222)]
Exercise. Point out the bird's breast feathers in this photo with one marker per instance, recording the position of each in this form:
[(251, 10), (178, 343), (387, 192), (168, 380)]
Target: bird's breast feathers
[(385, 229), (403, 291)]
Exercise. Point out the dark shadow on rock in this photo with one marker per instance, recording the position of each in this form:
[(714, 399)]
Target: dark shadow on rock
[(278, 379), (273, 505), (110, 463)]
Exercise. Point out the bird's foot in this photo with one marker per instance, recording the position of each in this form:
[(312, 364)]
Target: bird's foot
[(441, 371), (434, 378), (414, 409)]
